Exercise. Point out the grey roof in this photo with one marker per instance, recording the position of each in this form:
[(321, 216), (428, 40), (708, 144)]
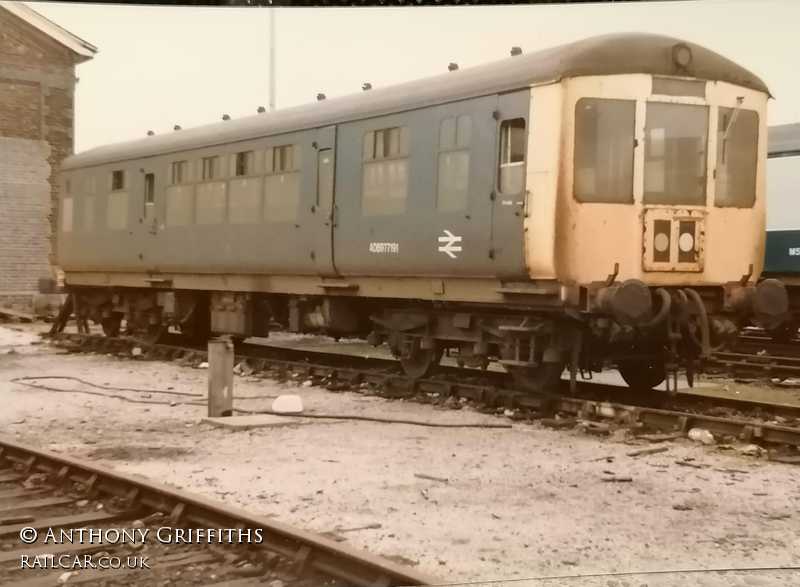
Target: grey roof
[(784, 138), (603, 55), (83, 49)]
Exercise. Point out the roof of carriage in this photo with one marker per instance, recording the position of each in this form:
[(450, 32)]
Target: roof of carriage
[(784, 138), (603, 55)]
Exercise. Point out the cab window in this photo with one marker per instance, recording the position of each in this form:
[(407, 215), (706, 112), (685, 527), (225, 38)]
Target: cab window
[(604, 141), (676, 139), (737, 158)]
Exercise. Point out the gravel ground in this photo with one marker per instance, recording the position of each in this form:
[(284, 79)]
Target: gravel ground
[(508, 503)]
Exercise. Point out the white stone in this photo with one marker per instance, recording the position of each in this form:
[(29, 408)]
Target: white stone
[(701, 435), (203, 365), (288, 404), (136, 351)]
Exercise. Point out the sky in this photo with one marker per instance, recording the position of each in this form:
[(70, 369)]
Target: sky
[(160, 66)]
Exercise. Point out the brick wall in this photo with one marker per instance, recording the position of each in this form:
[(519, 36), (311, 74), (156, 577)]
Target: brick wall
[(36, 132), (24, 226)]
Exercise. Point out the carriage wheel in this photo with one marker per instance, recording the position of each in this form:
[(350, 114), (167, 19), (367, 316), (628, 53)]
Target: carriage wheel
[(419, 362), (542, 379), (111, 325), (642, 375)]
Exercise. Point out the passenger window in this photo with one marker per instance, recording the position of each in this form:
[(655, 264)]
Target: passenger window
[(604, 141), (453, 169), (244, 163), (117, 211), (118, 180), (511, 173), (88, 213), (210, 202), (283, 159), (676, 139), (282, 184), (66, 215), (384, 182), (737, 158), (149, 189), (179, 204), (180, 172), (325, 180), (211, 168)]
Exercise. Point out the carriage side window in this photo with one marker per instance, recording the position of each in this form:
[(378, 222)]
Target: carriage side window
[(117, 211), (737, 158), (245, 163), (149, 189), (511, 172), (211, 168), (88, 213), (282, 184), (180, 172), (66, 215), (453, 170), (676, 139), (384, 181), (604, 141), (118, 180)]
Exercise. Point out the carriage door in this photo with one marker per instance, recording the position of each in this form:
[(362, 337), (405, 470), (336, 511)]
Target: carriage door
[(149, 220), (509, 195), (323, 209)]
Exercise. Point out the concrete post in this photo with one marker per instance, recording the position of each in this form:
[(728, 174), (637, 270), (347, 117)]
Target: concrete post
[(220, 377)]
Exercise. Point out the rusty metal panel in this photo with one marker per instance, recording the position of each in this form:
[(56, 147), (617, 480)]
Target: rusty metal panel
[(673, 239)]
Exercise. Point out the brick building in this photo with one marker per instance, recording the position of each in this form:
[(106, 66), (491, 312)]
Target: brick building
[(37, 84)]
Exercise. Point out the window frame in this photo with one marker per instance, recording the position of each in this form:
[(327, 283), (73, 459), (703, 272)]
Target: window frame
[(717, 156), (249, 158), (179, 172), (631, 199), (499, 153), (370, 159), (118, 186), (211, 164), (456, 147), (707, 108)]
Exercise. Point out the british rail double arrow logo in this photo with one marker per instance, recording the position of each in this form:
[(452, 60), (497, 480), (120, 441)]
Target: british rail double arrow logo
[(449, 248)]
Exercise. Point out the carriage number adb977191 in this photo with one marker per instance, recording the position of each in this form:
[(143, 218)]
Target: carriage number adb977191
[(385, 248)]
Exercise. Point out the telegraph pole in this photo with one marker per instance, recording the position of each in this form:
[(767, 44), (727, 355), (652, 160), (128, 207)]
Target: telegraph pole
[(271, 57)]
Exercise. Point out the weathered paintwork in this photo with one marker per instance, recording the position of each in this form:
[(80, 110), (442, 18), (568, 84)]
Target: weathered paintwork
[(540, 237), (592, 237), (783, 195)]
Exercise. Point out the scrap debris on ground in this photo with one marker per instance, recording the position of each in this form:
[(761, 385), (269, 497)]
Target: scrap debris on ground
[(529, 500)]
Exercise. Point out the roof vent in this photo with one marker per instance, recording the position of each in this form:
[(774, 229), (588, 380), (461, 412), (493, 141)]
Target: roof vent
[(261, 110), (226, 117), (320, 97), (366, 86), (452, 66), (516, 51), (176, 127), (150, 133)]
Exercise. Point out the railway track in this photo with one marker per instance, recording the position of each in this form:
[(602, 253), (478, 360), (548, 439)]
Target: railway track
[(746, 420), (756, 355), (146, 534)]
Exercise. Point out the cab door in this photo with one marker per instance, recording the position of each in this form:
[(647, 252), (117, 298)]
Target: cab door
[(323, 208), (510, 193)]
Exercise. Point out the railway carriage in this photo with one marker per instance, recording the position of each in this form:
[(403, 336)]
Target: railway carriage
[(782, 261), (595, 203)]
